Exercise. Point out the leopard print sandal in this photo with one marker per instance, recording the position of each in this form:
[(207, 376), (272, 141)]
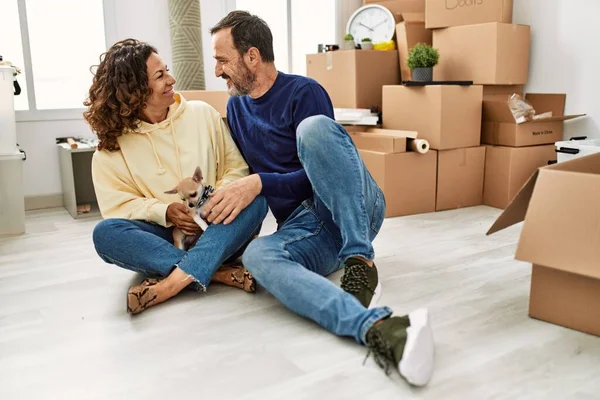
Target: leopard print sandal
[(140, 297)]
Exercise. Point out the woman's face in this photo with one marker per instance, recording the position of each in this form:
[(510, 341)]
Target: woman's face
[(161, 82)]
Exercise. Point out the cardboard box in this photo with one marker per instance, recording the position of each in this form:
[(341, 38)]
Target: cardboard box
[(460, 178), (446, 13), (449, 117), (399, 7), (408, 180), (409, 32), (501, 92), (381, 140), (487, 54), (501, 128), (353, 78), (560, 205), (508, 168), (216, 98)]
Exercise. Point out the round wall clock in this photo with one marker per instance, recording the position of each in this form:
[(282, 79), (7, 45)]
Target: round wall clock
[(372, 21)]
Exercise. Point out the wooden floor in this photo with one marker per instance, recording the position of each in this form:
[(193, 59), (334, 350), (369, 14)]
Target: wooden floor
[(64, 332)]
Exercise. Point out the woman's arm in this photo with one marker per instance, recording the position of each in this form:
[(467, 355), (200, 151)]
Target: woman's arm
[(117, 194)]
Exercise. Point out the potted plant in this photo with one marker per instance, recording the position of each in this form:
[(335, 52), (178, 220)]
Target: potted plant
[(366, 44), (421, 60), (349, 42)]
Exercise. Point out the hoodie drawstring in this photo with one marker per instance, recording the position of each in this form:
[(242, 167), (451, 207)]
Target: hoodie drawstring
[(161, 169), (176, 151)]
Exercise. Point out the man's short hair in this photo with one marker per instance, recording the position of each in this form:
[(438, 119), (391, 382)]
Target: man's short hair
[(248, 31)]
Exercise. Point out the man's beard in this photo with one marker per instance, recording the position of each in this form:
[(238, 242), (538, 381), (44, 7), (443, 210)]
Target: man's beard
[(244, 84)]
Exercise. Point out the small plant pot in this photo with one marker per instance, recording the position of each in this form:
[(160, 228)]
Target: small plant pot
[(366, 45), (349, 45), (422, 74)]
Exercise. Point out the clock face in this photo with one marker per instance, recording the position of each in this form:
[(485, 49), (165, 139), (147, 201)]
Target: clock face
[(372, 21)]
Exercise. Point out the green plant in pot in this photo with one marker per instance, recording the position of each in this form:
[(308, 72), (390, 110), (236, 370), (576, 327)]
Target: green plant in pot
[(349, 43), (366, 44), (421, 60)]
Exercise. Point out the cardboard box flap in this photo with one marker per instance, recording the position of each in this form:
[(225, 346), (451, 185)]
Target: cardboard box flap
[(497, 111), (542, 103), (517, 209), (562, 228), (411, 17), (554, 119)]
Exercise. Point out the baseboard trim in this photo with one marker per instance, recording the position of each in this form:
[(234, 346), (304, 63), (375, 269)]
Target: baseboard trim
[(45, 201)]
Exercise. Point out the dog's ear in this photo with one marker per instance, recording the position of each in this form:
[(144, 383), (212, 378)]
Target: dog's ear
[(172, 191), (197, 175)]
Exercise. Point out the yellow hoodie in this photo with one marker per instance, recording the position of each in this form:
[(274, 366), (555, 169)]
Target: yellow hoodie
[(130, 183)]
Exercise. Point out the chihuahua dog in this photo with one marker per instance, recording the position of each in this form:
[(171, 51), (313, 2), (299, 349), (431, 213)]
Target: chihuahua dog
[(194, 195)]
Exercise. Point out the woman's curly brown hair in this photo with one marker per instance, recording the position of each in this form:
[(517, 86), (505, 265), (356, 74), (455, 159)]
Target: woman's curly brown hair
[(119, 92)]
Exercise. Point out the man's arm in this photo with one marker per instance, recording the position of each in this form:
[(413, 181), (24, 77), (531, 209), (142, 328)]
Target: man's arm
[(226, 204)]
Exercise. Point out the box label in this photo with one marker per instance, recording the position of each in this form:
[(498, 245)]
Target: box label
[(545, 132), (456, 4)]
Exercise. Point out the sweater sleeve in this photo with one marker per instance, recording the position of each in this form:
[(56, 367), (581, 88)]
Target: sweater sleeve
[(117, 194), (231, 165), (308, 100)]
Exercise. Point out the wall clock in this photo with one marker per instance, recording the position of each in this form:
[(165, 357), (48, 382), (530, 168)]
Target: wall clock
[(372, 21)]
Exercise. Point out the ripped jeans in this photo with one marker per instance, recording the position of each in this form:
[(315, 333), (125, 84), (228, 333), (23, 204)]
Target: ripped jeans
[(148, 249)]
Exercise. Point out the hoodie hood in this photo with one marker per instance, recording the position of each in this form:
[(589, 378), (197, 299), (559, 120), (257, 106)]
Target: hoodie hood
[(144, 128), (175, 110)]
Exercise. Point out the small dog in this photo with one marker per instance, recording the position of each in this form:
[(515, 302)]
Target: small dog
[(194, 195)]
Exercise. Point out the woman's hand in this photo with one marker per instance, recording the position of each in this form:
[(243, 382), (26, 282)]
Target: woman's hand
[(179, 215)]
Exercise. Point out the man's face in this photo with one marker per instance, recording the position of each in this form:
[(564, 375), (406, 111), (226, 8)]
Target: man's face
[(231, 66)]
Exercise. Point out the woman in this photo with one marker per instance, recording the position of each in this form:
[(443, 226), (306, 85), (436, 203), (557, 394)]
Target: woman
[(150, 138)]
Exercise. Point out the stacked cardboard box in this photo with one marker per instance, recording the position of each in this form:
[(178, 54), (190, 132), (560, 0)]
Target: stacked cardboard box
[(515, 151), (407, 179), (478, 42), (449, 118)]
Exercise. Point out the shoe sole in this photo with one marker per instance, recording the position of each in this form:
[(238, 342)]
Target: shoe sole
[(417, 361), (376, 296)]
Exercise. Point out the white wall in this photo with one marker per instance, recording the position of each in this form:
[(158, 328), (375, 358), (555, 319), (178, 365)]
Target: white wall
[(564, 57), (146, 20)]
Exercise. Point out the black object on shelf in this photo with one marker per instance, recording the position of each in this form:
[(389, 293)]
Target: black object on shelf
[(423, 83), (578, 138)]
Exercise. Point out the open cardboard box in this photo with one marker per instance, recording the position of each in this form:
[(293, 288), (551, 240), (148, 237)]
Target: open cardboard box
[(560, 205), (501, 128)]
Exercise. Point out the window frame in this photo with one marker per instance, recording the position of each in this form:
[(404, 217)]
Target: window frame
[(33, 114)]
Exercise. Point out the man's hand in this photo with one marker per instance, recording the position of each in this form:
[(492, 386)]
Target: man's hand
[(179, 215), (228, 202)]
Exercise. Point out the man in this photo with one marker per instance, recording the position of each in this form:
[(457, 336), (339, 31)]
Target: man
[(328, 207)]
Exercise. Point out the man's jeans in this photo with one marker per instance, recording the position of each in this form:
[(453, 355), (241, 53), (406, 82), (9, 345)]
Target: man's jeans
[(148, 248), (341, 221)]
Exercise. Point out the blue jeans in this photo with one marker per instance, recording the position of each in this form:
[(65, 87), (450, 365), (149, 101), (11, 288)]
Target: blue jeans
[(147, 248), (340, 221)]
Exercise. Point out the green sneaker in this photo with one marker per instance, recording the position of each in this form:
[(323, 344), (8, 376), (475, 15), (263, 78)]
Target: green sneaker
[(406, 343), (362, 282)]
